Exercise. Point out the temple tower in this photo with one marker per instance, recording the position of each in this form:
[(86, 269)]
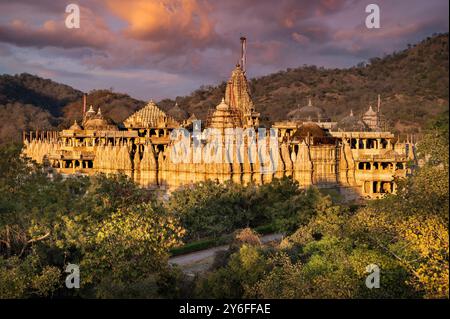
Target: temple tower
[(237, 92)]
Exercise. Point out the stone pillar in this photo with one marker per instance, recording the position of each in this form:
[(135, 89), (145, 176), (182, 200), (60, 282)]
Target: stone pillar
[(357, 143), (379, 145), (364, 143)]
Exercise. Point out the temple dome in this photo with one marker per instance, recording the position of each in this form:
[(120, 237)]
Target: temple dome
[(308, 113), (222, 106), (94, 121), (224, 117), (98, 123), (75, 126), (311, 129), (150, 116), (370, 112), (352, 123)]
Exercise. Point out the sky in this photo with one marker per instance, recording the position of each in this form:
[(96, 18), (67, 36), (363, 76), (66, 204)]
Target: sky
[(155, 49)]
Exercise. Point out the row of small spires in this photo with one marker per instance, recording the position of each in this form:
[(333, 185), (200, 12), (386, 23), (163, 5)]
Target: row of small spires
[(351, 111), (91, 109)]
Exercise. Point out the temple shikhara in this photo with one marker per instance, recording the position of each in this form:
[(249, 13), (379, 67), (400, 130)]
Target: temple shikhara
[(356, 155)]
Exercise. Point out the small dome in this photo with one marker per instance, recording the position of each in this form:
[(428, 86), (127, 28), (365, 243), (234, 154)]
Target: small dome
[(75, 126), (224, 117), (352, 123), (178, 113), (370, 112), (222, 106), (308, 113), (98, 122), (310, 129)]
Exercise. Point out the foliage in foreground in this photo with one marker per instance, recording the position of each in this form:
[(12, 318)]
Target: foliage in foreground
[(406, 236), (121, 235), (114, 230)]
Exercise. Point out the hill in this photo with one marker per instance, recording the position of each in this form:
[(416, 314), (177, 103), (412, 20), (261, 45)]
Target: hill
[(413, 84), (29, 89)]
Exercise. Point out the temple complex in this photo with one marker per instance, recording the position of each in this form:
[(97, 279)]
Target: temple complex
[(355, 155)]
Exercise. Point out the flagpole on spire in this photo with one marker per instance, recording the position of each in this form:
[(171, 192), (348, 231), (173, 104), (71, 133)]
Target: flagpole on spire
[(84, 104), (379, 103), (243, 53)]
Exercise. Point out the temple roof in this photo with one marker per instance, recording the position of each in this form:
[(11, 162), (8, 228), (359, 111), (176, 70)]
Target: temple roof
[(148, 117), (224, 117), (352, 123), (308, 113), (75, 126), (96, 121), (310, 129), (370, 112), (99, 123)]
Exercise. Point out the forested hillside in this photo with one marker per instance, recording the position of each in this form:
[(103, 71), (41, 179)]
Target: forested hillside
[(413, 84), (29, 89)]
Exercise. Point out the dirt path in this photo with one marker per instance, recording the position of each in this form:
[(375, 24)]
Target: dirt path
[(197, 261)]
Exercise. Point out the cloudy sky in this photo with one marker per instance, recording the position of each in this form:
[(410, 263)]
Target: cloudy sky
[(164, 48)]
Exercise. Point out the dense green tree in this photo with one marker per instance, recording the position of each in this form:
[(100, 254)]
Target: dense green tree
[(211, 208)]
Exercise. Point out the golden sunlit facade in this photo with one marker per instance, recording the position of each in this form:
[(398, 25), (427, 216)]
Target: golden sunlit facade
[(355, 155)]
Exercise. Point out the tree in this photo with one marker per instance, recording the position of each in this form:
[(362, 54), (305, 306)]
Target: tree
[(25, 278), (245, 267), (129, 246)]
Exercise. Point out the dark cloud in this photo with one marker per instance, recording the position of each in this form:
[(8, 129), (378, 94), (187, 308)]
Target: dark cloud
[(23, 35)]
